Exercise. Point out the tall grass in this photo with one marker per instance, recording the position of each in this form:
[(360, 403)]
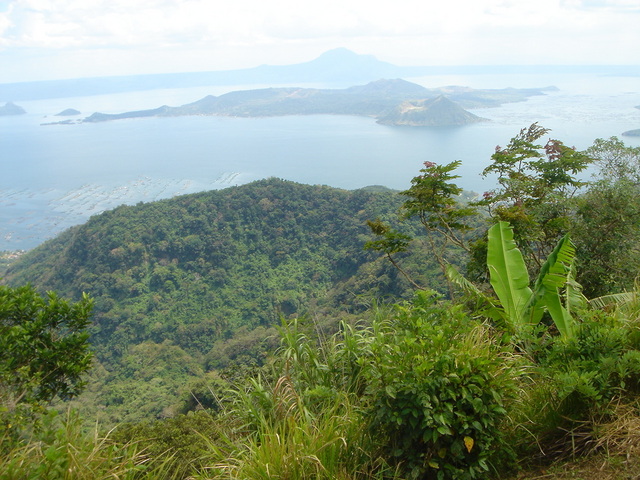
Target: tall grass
[(309, 422), (302, 445), (59, 449)]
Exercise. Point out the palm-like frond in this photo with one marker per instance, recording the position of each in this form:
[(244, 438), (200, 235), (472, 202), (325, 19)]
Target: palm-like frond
[(508, 273)]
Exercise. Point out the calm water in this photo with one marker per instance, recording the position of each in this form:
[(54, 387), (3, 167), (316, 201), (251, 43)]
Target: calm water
[(57, 176)]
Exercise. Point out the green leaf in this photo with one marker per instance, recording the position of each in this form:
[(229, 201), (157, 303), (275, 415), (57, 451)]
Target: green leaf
[(554, 275), (508, 274), (563, 321), (390, 391), (573, 292), (614, 300)]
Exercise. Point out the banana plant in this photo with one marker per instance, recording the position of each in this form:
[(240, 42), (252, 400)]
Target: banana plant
[(519, 307)]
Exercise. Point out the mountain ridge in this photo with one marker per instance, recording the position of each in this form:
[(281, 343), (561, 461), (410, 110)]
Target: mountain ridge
[(364, 68), (10, 109), (339, 66)]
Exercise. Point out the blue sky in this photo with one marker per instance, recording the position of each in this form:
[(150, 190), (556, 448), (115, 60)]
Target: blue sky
[(50, 39)]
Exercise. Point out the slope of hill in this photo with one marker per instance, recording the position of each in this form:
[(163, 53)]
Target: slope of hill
[(438, 111), (205, 277)]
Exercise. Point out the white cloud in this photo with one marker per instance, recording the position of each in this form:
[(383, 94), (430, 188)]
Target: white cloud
[(132, 37)]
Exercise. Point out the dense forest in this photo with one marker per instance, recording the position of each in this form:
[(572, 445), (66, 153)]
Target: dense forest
[(206, 278), (280, 330)]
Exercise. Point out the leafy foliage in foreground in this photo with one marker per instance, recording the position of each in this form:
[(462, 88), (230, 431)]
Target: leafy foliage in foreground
[(439, 385), (44, 353), (420, 393)]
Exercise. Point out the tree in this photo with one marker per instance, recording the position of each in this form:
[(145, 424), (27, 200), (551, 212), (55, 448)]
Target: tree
[(44, 348), (615, 160), (536, 185), (606, 226), (432, 198)]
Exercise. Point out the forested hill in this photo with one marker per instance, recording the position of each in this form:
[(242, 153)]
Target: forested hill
[(242, 256), (198, 269)]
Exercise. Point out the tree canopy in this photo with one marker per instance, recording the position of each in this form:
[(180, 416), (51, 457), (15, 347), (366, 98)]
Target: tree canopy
[(44, 349)]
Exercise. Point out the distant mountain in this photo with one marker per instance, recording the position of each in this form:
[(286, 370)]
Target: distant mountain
[(438, 111), (11, 109), (339, 66), (382, 99)]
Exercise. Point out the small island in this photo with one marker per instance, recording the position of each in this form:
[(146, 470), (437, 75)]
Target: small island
[(11, 109), (69, 112), (632, 133)]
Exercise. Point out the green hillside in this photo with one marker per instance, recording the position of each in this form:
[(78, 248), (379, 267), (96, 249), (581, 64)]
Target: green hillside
[(207, 276)]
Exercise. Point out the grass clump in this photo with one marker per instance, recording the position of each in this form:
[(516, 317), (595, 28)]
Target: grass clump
[(59, 449)]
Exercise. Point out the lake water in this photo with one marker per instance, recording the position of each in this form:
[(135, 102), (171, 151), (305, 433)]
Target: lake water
[(53, 177)]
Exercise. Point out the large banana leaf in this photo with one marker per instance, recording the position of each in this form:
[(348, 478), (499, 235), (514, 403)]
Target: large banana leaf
[(559, 314), (520, 306), (575, 300), (508, 274), (615, 300), (553, 272), (554, 275)]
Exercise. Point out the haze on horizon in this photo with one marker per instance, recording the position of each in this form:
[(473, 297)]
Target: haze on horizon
[(57, 39)]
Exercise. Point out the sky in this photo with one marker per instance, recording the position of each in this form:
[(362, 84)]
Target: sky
[(55, 39)]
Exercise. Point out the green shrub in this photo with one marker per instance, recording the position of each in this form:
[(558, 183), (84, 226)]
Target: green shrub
[(600, 363), (438, 385), (575, 384)]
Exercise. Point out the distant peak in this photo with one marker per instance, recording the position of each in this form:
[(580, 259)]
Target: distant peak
[(341, 52), (345, 56), (11, 108)]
